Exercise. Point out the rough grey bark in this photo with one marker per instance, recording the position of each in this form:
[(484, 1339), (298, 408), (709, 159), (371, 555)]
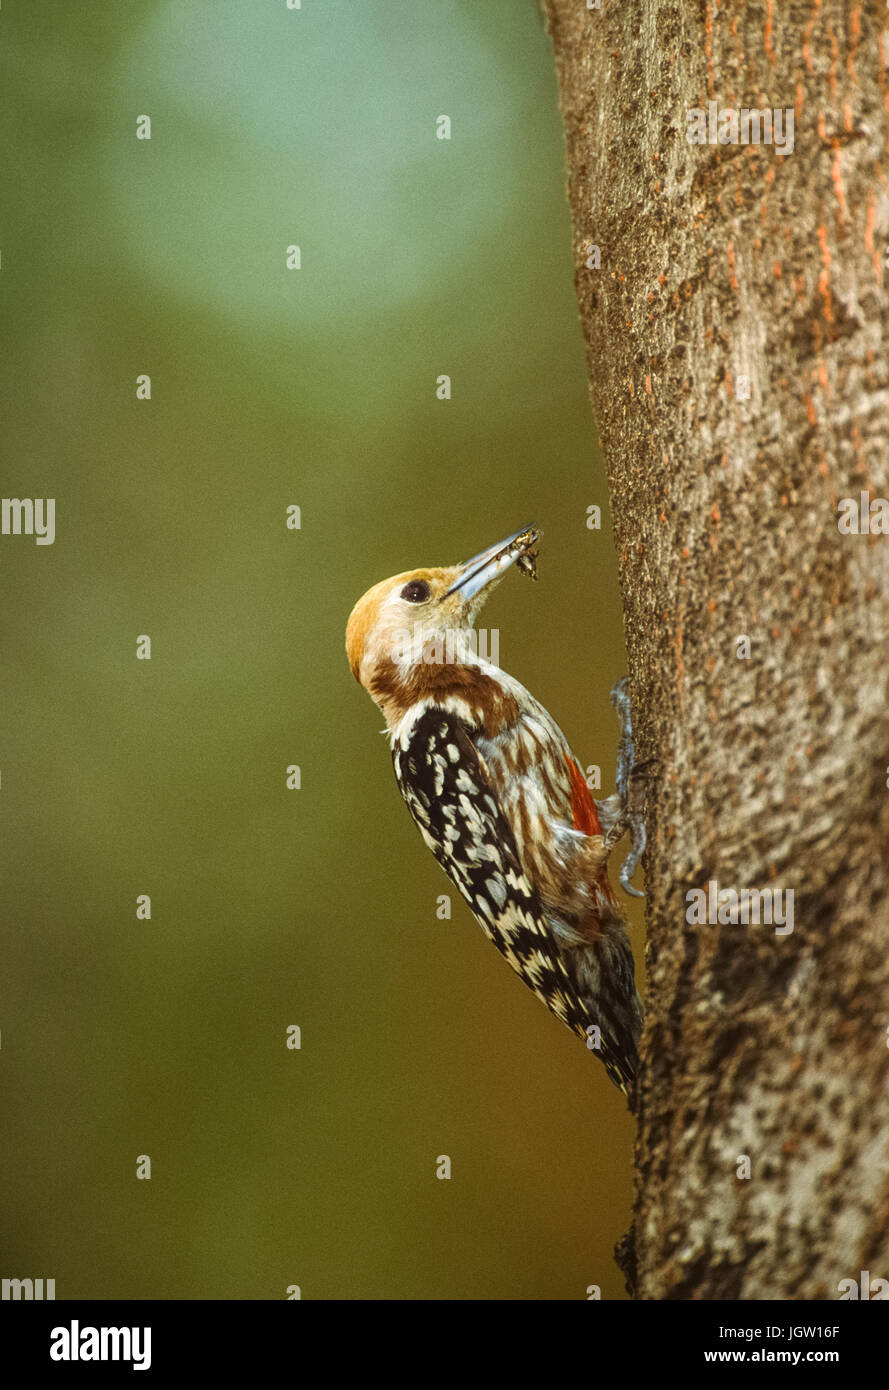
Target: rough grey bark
[(718, 263)]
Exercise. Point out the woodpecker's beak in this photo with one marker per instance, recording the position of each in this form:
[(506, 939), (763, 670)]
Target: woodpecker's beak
[(489, 565)]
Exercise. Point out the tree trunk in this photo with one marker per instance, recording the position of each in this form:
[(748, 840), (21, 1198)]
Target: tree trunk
[(735, 335)]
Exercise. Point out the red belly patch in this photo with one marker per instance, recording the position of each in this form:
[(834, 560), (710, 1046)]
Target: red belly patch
[(583, 807)]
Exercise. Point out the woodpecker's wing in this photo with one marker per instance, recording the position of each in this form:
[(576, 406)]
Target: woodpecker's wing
[(445, 782)]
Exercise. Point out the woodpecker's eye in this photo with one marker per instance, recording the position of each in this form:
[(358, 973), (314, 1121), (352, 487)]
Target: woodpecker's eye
[(417, 591)]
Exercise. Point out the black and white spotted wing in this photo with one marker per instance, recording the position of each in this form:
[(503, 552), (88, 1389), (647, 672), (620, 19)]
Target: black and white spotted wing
[(447, 788)]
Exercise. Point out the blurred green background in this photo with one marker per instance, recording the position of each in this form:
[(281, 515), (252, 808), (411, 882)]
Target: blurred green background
[(271, 907)]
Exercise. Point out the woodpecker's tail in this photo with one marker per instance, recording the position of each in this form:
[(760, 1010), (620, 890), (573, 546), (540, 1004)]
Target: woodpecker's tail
[(620, 1045), (603, 973)]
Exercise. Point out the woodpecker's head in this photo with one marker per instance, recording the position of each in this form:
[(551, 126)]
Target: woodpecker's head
[(407, 627)]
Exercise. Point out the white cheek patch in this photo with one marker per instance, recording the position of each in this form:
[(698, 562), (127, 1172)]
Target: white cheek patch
[(402, 636)]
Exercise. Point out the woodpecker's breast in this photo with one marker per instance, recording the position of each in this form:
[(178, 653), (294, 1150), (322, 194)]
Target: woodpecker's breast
[(527, 764), (552, 814)]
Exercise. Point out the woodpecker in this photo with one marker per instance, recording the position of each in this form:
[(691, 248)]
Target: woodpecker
[(500, 799)]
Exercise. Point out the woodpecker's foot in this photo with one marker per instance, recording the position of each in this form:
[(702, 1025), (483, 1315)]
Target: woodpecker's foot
[(624, 812)]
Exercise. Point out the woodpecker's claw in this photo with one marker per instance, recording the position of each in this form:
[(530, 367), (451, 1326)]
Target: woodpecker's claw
[(625, 811)]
